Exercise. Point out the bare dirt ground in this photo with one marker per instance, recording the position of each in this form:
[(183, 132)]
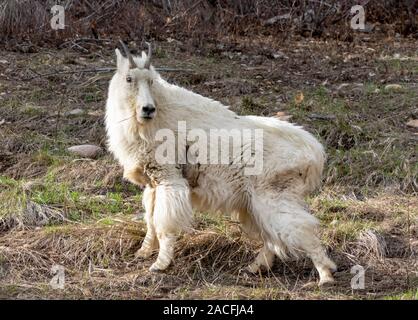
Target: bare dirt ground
[(57, 209)]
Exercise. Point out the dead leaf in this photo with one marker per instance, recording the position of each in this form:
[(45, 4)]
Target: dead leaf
[(299, 98)]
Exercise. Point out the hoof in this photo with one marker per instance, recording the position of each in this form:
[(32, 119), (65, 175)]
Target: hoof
[(327, 282), (333, 268), (155, 268), (254, 268)]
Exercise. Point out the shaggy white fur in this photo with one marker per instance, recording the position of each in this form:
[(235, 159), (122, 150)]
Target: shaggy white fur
[(270, 205)]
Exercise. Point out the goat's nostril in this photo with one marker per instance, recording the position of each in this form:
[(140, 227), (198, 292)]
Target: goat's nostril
[(149, 108)]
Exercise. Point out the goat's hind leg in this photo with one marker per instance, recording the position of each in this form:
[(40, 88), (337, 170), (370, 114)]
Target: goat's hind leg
[(265, 257), (150, 243), (300, 236), (290, 228)]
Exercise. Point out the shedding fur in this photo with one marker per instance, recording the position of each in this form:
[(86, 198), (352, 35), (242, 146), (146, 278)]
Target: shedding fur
[(269, 205)]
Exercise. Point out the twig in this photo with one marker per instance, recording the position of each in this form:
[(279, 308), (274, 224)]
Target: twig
[(83, 40), (185, 12), (71, 72), (77, 45), (321, 116)]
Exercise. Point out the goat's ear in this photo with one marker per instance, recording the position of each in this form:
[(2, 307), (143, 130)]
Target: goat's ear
[(144, 55), (119, 60)]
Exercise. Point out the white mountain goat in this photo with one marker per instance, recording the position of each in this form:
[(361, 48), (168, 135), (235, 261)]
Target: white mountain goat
[(269, 204)]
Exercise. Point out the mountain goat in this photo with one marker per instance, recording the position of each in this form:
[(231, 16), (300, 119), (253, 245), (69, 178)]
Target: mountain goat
[(268, 204)]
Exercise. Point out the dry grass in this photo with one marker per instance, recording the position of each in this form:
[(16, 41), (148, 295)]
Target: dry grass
[(100, 256), (20, 16)]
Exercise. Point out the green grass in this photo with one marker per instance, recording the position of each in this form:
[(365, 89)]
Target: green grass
[(397, 66), (12, 199), (250, 107), (108, 221), (160, 53), (340, 221), (78, 206), (407, 295), (92, 94), (46, 157), (217, 222), (366, 142)]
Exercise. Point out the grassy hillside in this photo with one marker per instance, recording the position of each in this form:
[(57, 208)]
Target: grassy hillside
[(56, 208)]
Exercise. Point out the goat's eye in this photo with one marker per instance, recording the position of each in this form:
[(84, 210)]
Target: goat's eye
[(128, 79)]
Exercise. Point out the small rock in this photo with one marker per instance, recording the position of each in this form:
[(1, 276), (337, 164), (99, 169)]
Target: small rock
[(279, 54), (4, 61), (412, 123), (86, 151), (393, 87), (342, 86), (281, 115), (76, 112)]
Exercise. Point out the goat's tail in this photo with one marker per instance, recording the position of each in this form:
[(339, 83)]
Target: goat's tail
[(315, 164)]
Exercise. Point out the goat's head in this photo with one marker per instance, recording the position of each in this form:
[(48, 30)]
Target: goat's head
[(136, 78)]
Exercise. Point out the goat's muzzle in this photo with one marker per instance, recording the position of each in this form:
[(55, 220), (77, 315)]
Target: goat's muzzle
[(146, 112)]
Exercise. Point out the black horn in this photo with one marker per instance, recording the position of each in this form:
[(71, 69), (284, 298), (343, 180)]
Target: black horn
[(148, 61), (132, 63)]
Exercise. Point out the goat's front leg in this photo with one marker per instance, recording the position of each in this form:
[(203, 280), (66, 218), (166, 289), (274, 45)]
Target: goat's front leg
[(150, 243), (172, 214), (167, 242)]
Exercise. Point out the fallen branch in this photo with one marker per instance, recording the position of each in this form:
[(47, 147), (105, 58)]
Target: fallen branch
[(317, 116), (100, 70)]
